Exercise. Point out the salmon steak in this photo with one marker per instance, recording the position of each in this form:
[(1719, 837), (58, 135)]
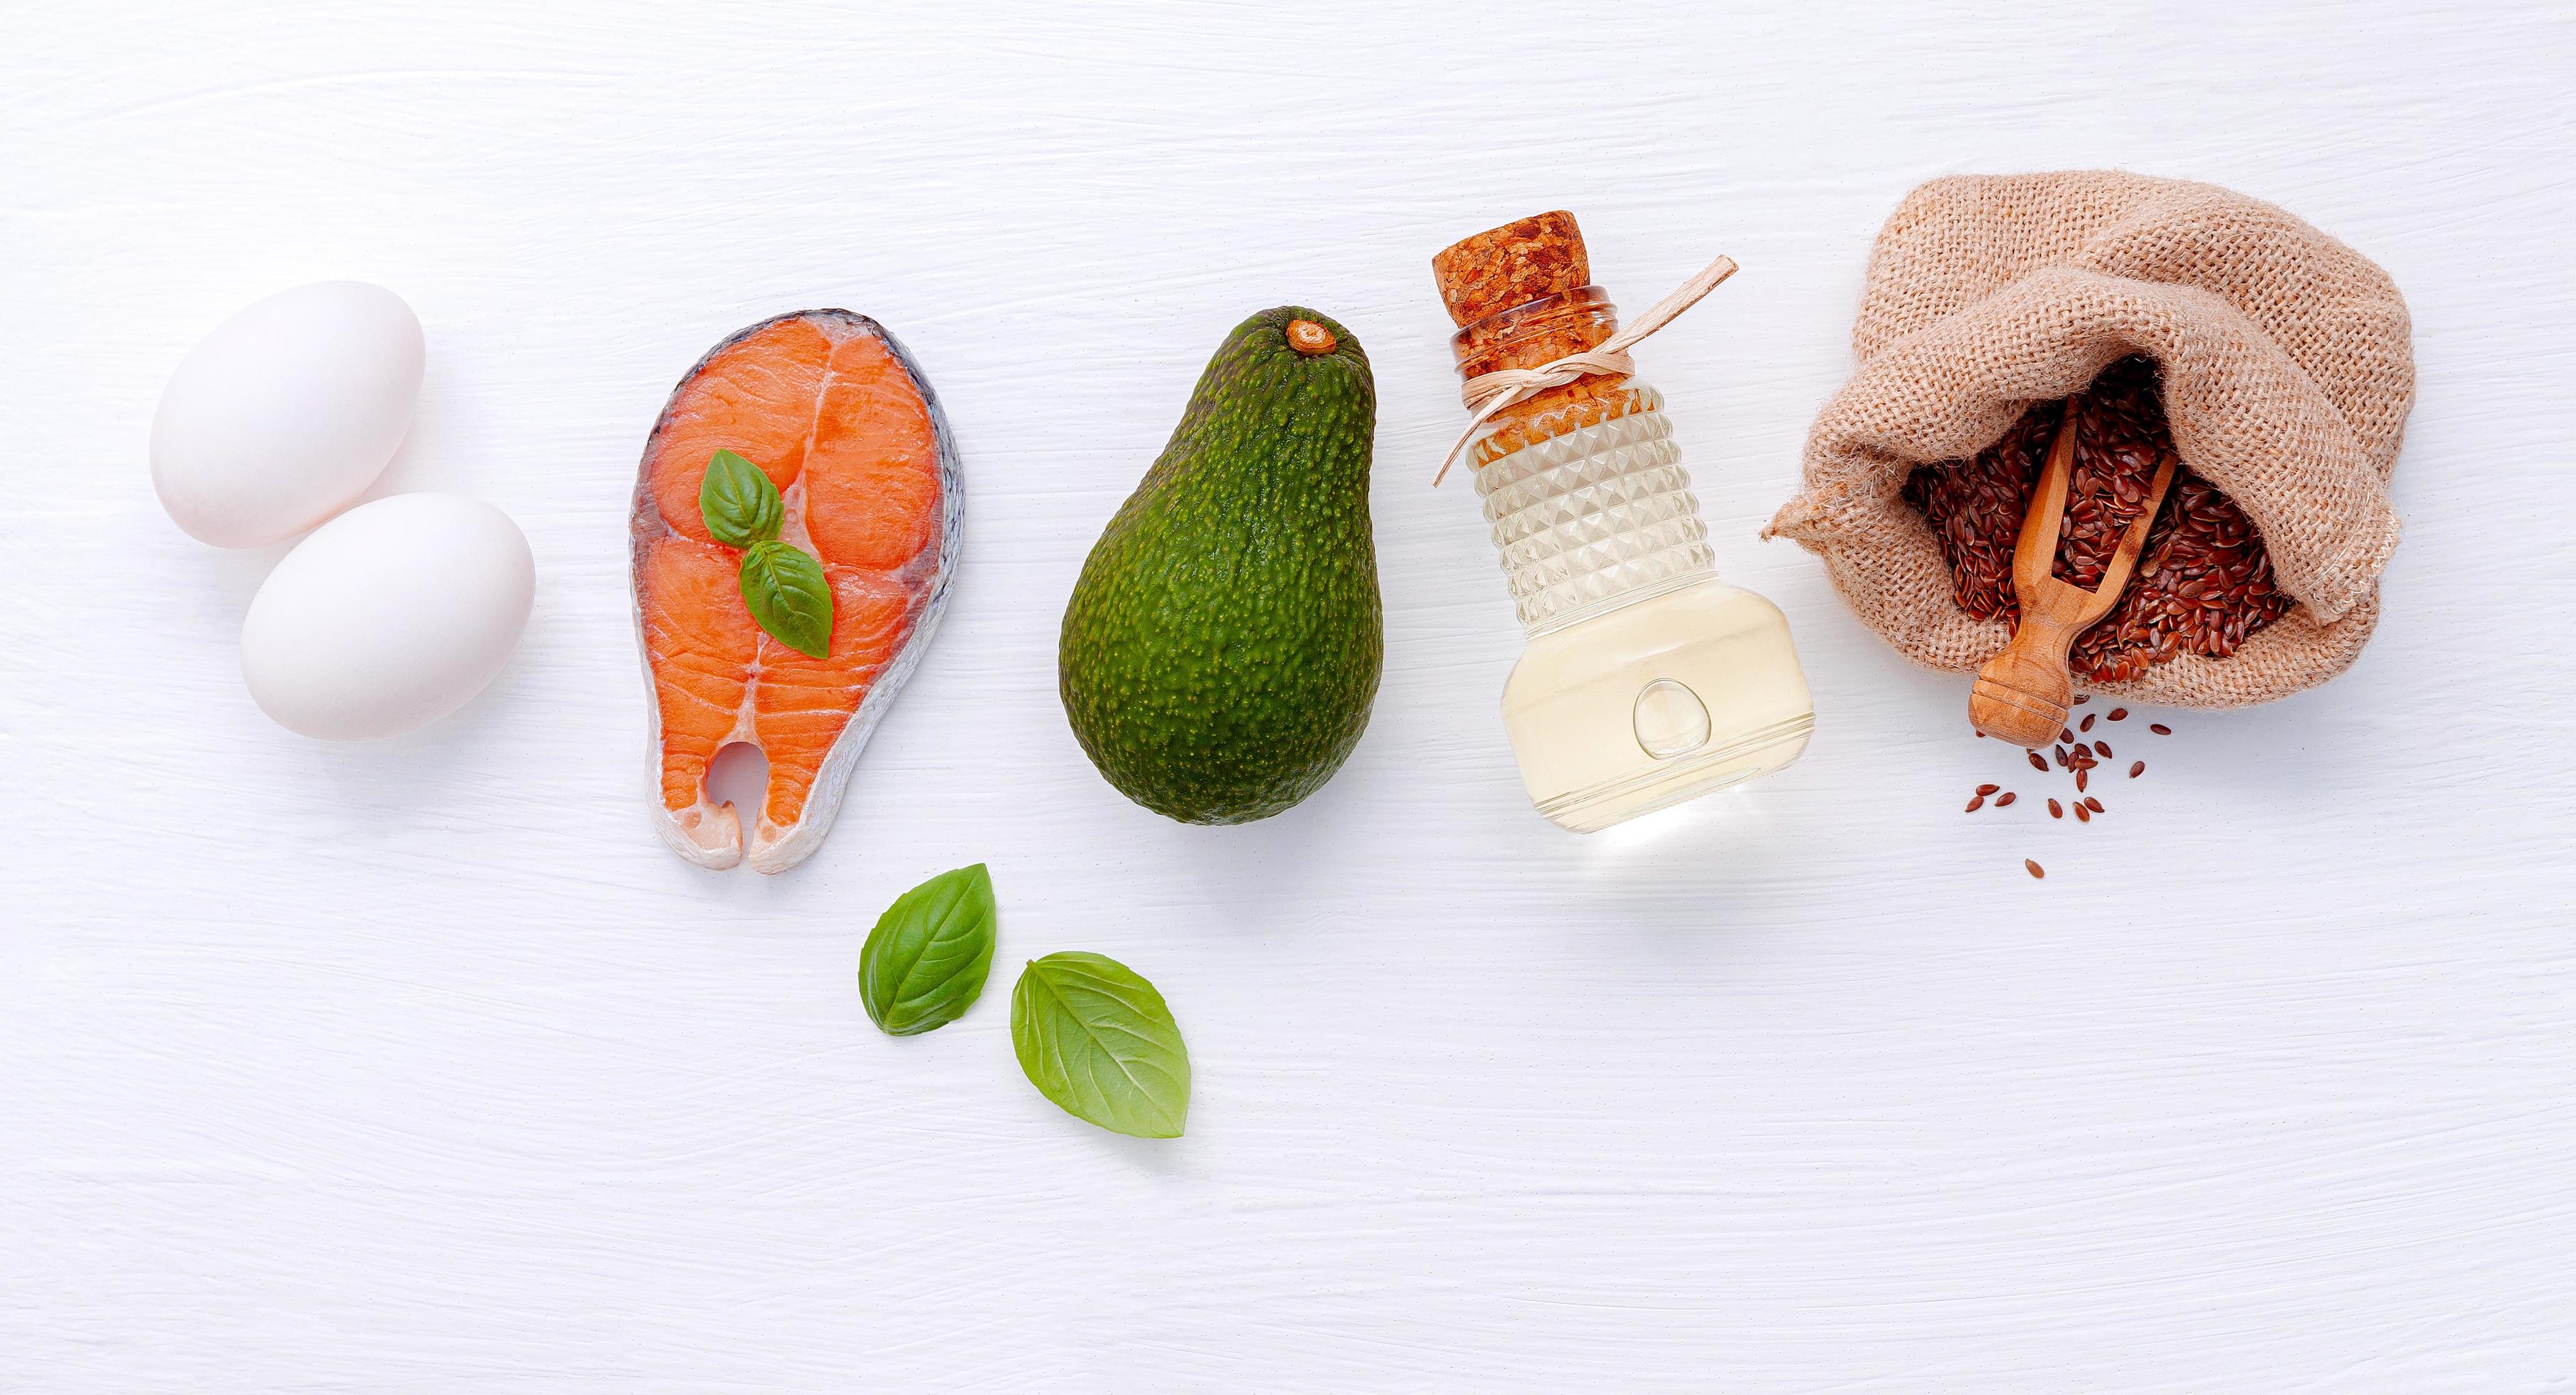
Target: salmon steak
[(838, 415)]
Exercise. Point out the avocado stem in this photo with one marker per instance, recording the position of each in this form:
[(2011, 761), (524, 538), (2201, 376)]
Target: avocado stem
[(1309, 338)]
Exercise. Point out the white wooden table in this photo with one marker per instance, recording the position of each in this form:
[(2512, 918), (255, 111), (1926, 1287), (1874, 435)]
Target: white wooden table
[(422, 1066)]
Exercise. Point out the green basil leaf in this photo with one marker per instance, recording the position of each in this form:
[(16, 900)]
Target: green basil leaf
[(1097, 1039), (738, 502), (925, 963), (788, 596)]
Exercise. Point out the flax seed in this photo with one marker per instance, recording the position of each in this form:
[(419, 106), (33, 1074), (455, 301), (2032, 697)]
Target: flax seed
[(2137, 768), (2008, 798), (2036, 871), (2160, 728), (2203, 583)]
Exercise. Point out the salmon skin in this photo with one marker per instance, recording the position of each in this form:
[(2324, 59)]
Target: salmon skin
[(838, 415)]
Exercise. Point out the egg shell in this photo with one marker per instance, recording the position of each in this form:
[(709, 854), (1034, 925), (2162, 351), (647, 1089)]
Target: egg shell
[(389, 617), (284, 415)]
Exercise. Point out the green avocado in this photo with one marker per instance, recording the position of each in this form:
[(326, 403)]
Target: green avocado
[(1223, 646)]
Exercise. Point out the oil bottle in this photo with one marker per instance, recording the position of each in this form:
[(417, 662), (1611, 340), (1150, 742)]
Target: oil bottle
[(1646, 680)]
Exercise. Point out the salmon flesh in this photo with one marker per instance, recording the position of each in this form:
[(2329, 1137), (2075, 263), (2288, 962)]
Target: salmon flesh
[(838, 415)]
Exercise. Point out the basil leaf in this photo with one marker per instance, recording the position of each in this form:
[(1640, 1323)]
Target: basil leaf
[(925, 963), (738, 502), (788, 596), (1097, 1039)]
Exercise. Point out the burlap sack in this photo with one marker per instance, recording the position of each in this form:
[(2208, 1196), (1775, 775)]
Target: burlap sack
[(2287, 376)]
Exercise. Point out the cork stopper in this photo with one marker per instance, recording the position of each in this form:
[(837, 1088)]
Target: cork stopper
[(1510, 266)]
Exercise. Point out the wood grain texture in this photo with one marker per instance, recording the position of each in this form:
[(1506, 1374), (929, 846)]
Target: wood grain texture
[(423, 1066)]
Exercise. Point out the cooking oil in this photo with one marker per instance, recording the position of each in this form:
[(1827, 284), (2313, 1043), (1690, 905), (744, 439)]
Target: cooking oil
[(1646, 680)]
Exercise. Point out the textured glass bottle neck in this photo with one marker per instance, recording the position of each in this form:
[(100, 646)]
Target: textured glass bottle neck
[(1595, 515)]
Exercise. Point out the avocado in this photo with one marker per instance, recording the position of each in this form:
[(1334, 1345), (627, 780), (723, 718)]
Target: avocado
[(1223, 645)]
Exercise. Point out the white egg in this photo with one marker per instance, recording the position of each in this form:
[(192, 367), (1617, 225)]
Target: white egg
[(285, 414), (389, 617)]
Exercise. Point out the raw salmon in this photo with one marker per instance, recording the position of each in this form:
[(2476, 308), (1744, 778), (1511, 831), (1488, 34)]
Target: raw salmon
[(838, 415)]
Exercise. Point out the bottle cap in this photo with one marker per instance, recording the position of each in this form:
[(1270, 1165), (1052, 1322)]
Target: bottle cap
[(1510, 266)]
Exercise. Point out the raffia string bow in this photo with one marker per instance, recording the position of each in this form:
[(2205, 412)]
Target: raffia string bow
[(1488, 393)]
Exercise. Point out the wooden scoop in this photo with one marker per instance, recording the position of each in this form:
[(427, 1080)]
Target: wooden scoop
[(2023, 693)]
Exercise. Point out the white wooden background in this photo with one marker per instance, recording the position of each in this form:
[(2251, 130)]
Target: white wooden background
[(422, 1066)]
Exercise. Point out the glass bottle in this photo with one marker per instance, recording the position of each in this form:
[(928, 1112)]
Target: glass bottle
[(1646, 680)]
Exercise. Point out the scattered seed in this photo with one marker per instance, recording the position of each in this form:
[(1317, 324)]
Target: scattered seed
[(2093, 804), (2061, 758), (2008, 798), (1988, 789), (2056, 810), (2088, 723), (2102, 749), (2119, 714), (2137, 768), (2036, 763), (2064, 735), (2088, 697), (2083, 815), (2036, 871), (2079, 781), (2160, 728), (1977, 803)]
